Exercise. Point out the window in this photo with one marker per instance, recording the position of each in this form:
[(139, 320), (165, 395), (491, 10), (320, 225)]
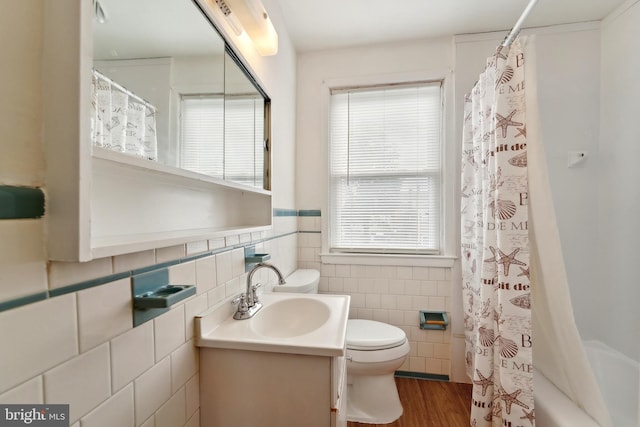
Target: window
[(385, 169), (223, 136)]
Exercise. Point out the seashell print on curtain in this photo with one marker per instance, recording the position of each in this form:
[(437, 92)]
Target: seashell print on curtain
[(495, 245)]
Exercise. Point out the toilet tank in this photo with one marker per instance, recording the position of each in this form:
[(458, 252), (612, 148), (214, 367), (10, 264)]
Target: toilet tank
[(303, 281)]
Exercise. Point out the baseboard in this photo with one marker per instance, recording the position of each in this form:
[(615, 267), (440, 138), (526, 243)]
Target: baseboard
[(422, 376)]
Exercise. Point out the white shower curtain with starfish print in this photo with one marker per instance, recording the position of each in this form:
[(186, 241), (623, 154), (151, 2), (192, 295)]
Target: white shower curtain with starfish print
[(495, 245)]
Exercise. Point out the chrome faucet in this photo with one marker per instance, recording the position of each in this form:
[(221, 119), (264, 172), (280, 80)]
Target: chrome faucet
[(248, 303)]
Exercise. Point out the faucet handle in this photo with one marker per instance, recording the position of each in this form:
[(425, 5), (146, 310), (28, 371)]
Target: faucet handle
[(254, 295), (241, 300)]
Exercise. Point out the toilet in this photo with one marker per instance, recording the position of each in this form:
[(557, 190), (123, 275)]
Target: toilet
[(375, 350)]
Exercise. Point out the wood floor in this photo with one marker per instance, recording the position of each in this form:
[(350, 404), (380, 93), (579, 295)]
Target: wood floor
[(431, 404)]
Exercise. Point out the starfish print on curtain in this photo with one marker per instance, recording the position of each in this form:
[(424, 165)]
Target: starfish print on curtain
[(495, 244)]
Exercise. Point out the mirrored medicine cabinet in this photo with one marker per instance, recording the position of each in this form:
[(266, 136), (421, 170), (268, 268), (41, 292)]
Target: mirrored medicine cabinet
[(167, 88), (155, 131)]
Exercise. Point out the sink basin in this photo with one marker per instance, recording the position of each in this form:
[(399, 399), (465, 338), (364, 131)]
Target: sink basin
[(311, 324), (291, 317)]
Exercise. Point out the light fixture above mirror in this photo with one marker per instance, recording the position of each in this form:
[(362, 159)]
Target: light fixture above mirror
[(251, 17)]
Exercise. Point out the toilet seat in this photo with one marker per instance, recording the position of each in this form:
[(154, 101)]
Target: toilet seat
[(370, 335)]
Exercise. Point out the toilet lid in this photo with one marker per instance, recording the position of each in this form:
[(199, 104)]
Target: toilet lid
[(371, 335)]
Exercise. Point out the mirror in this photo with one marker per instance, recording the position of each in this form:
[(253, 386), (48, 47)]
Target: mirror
[(166, 89)]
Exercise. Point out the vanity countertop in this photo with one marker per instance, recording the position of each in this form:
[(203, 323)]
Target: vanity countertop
[(310, 324)]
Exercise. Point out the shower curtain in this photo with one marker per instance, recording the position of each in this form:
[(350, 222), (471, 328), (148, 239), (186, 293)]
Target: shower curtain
[(495, 244), (122, 121), (508, 233)]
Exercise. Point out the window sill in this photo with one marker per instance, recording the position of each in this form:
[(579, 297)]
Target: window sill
[(389, 259)]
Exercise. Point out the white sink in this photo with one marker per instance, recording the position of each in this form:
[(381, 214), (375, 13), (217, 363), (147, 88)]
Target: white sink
[(287, 323), (291, 317)]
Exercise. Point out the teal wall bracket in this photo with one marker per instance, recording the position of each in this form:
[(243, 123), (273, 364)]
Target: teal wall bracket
[(437, 320), (21, 202), (153, 295), (251, 258)]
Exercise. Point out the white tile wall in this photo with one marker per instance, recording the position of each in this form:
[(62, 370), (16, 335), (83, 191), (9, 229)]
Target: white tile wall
[(224, 267), (67, 273), (206, 274), (216, 243), (390, 294), (192, 307), (104, 312), (194, 421), (169, 331), (151, 422), (37, 337), (170, 253), (89, 354), (83, 382), (172, 413), (132, 354), (192, 394), (184, 364), (237, 262), (115, 411), (122, 263), (197, 247), (183, 274), (30, 391), (152, 389)]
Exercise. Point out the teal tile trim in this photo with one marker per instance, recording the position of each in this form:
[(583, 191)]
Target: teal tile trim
[(29, 299), (309, 212), (284, 212), (310, 232), (422, 376), (19, 302), (21, 202), (88, 284)]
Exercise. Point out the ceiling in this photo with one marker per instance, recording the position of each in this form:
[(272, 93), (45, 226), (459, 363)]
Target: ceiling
[(329, 24)]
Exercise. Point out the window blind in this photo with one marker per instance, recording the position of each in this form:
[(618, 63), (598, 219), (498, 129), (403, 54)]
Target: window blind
[(244, 139), (223, 136), (202, 134), (385, 169)]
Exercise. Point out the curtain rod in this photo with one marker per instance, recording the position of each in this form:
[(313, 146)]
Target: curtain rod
[(516, 28)]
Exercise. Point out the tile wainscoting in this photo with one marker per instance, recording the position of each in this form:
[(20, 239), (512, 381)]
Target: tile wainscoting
[(387, 293), (73, 340)]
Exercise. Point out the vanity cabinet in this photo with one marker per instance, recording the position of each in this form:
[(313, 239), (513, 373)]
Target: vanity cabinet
[(101, 203), (251, 388)]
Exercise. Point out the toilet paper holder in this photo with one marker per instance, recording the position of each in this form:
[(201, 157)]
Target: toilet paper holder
[(435, 320)]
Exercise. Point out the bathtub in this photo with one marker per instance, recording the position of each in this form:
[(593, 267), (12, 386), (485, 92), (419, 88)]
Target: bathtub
[(617, 376)]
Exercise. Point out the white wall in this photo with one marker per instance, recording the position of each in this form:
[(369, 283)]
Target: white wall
[(319, 71), (617, 256), (20, 94)]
